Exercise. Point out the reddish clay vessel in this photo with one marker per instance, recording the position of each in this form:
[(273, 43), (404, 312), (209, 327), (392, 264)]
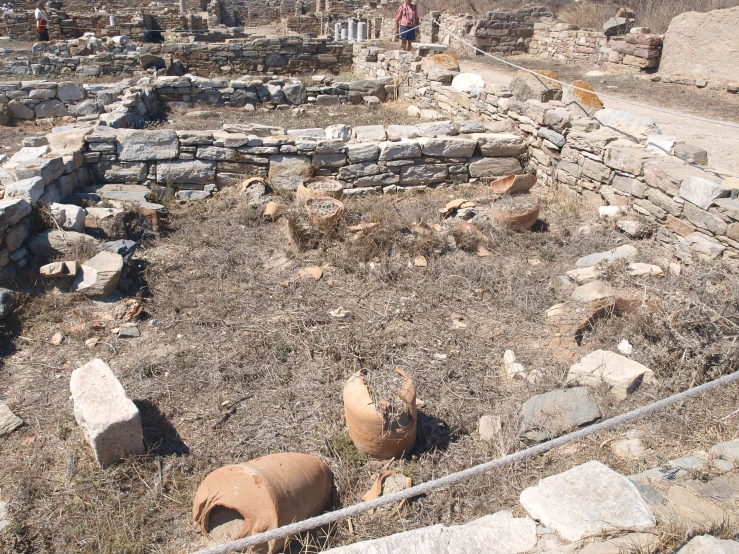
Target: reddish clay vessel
[(319, 187), (513, 183), (517, 212), (267, 492), (366, 426)]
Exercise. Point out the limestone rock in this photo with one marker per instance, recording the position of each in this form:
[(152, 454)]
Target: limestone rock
[(706, 544), (468, 82), (488, 428), (705, 247), (526, 86), (141, 146), (696, 44), (495, 167), (702, 191), (447, 147), (595, 290), (622, 375), (100, 275), (500, 144), (548, 415), (295, 93), (69, 217), (28, 189), (631, 447), (110, 420), (403, 149), (51, 108), (12, 210), (728, 450), (370, 133), (625, 251), (9, 422), (631, 542), (499, 533), (59, 269), (634, 126), (287, 171), (437, 129), (192, 172), (587, 500), (53, 243), (368, 87), (338, 132)]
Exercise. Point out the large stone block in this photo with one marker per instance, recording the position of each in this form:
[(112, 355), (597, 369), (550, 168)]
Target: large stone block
[(448, 147), (51, 108), (498, 533), (287, 171), (125, 172), (495, 167), (500, 144), (526, 86), (668, 176), (548, 415), (53, 243), (590, 499), (702, 191), (196, 172), (12, 210), (364, 152), (423, 174), (632, 126), (595, 142), (28, 189), (110, 420), (48, 169), (628, 160), (100, 275), (696, 45), (400, 150), (142, 146), (69, 216)]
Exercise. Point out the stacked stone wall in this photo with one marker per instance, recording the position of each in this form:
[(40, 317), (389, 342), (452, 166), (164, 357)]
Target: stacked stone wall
[(688, 207)]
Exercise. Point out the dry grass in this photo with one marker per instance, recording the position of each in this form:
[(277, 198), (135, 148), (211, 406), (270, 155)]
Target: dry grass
[(655, 14), (246, 361)]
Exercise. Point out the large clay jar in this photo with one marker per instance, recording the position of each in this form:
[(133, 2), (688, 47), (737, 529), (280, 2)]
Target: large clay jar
[(367, 427), (513, 183), (517, 212), (324, 212), (319, 187), (267, 493)]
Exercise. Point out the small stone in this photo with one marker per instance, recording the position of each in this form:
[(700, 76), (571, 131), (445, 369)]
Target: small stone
[(513, 369), (609, 212), (728, 450), (128, 332), (626, 251), (9, 422), (57, 338), (7, 302), (706, 544), (90, 344), (110, 420), (622, 375), (640, 269), (631, 447), (548, 415), (595, 290), (488, 428), (633, 229), (59, 269)]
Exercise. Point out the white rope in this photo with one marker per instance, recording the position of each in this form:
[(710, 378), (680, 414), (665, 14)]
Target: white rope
[(475, 471), (602, 95)]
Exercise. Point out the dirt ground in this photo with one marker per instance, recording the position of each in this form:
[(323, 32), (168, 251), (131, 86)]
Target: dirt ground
[(239, 357), (720, 141)]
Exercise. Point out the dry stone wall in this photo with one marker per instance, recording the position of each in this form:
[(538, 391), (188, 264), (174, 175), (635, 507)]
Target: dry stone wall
[(567, 43), (625, 163)]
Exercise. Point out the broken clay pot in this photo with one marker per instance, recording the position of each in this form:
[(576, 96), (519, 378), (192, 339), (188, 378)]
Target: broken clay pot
[(240, 500), (367, 427), (319, 187), (513, 183), (517, 212), (387, 482), (324, 212)]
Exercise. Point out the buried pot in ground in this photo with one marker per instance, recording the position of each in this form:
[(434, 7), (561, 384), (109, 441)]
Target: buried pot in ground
[(381, 414), (517, 212), (241, 500), (319, 187)]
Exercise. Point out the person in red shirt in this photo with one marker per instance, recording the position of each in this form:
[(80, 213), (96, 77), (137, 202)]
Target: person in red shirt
[(406, 19)]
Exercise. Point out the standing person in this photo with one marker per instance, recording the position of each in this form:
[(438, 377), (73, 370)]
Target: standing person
[(42, 23), (406, 19)]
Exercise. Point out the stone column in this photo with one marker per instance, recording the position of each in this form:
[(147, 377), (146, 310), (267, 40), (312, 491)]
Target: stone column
[(182, 6), (337, 31), (343, 33), (361, 31), (352, 30)]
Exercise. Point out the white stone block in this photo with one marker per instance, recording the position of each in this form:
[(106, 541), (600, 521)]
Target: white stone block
[(110, 420)]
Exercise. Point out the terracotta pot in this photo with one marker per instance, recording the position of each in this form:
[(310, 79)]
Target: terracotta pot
[(326, 218), (366, 425), (517, 212), (267, 493), (319, 187), (273, 211), (513, 183)]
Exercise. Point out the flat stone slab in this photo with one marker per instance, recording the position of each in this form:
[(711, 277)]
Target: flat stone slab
[(9, 422), (499, 533), (728, 450), (550, 414), (622, 375), (110, 420), (706, 544), (588, 500), (625, 251)]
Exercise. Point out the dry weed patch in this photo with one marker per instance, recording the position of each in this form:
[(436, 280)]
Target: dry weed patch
[(244, 357)]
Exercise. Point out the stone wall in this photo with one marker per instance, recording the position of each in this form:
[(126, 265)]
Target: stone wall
[(567, 43), (650, 181), (292, 54)]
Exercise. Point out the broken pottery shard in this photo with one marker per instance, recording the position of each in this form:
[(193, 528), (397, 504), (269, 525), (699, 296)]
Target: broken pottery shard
[(622, 375), (110, 420), (587, 500)]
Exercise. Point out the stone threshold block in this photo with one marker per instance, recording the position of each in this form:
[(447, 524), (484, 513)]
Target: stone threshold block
[(110, 420)]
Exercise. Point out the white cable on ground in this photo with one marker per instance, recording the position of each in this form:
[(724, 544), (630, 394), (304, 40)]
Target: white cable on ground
[(616, 98), (475, 471)]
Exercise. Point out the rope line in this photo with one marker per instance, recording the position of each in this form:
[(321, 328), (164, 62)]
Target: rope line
[(475, 471), (602, 95)]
